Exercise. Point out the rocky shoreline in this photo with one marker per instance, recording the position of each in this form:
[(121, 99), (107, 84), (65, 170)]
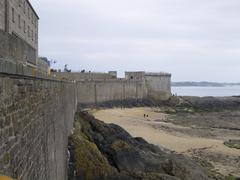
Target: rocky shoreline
[(179, 103), (101, 151)]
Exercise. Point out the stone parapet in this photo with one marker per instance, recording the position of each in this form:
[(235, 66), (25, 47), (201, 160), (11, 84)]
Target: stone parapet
[(12, 68), (157, 74), (79, 76)]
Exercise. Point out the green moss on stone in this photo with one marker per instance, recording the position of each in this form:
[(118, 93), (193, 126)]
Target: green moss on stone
[(89, 161)]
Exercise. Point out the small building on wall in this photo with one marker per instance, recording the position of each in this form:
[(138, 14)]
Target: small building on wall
[(18, 32), (135, 75), (43, 66), (113, 74)]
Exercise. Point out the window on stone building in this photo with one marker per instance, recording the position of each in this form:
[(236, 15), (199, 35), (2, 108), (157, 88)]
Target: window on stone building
[(19, 3), (19, 21), (32, 34), (13, 15), (36, 38), (24, 7), (28, 13), (32, 18), (28, 31), (24, 26)]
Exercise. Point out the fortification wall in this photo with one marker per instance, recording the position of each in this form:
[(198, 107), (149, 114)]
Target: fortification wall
[(137, 85), (93, 92), (36, 116), (78, 76), (158, 86)]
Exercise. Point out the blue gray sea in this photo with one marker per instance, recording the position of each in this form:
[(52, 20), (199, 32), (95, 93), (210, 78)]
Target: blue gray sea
[(207, 91)]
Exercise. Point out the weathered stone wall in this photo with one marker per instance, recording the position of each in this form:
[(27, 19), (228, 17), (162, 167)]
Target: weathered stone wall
[(4, 45), (158, 86), (2, 15), (93, 91), (36, 116), (15, 49), (142, 85)]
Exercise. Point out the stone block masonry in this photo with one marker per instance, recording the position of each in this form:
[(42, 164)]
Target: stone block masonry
[(36, 117)]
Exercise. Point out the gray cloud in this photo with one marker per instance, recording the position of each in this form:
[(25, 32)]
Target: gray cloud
[(194, 40)]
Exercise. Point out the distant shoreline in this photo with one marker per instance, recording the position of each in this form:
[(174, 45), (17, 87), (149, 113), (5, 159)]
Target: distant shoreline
[(202, 84)]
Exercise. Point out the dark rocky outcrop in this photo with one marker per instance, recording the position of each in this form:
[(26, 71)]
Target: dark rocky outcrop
[(206, 103), (179, 103), (102, 151)]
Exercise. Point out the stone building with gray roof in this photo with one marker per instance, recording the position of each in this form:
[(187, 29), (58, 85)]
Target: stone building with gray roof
[(18, 32)]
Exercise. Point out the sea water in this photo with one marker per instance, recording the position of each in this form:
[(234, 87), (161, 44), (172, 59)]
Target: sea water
[(206, 91)]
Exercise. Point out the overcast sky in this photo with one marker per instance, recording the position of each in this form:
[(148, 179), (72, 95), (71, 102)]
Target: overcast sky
[(194, 40)]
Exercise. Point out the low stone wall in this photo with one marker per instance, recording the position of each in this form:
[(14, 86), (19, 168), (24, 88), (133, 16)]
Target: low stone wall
[(9, 67), (36, 117), (94, 92)]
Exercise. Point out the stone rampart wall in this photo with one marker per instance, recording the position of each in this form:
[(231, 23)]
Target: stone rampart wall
[(99, 91), (159, 87), (36, 117), (93, 92)]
